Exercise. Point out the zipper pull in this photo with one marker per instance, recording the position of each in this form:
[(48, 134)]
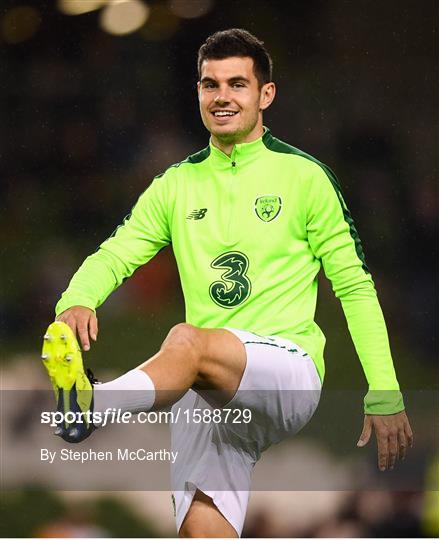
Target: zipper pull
[(233, 163)]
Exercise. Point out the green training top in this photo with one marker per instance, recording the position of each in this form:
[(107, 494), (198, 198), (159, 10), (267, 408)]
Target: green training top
[(250, 233)]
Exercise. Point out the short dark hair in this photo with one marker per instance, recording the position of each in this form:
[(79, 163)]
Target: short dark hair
[(237, 42)]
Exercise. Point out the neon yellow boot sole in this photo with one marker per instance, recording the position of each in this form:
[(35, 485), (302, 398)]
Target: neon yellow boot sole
[(62, 359)]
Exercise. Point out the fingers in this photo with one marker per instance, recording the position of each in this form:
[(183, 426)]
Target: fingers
[(405, 436), (394, 436), (82, 330), (408, 432), (383, 449), (93, 327), (366, 433), (392, 446), (83, 323), (69, 320), (402, 444)]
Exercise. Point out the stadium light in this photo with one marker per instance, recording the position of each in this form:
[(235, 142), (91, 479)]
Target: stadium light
[(78, 7), (20, 24), (122, 17)]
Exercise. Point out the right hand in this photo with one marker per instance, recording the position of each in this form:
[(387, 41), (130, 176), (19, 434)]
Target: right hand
[(83, 323)]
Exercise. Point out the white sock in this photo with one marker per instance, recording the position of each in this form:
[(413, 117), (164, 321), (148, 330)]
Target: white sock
[(134, 392)]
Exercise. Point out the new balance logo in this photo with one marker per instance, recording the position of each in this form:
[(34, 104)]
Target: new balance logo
[(197, 214)]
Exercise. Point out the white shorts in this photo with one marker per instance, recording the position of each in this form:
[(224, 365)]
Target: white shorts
[(281, 388)]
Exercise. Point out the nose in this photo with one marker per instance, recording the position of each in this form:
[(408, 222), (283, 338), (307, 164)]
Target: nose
[(222, 97)]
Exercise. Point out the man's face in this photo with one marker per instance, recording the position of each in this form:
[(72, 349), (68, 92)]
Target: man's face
[(231, 101)]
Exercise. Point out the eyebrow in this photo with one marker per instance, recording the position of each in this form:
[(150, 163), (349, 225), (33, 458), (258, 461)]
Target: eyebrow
[(237, 78)]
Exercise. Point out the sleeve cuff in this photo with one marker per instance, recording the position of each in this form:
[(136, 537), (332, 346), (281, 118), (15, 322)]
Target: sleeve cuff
[(65, 303), (382, 402)]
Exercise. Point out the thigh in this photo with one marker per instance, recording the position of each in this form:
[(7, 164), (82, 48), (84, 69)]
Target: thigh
[(280, 387)]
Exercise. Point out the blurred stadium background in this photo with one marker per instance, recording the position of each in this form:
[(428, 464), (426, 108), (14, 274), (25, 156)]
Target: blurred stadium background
[(98, 96)]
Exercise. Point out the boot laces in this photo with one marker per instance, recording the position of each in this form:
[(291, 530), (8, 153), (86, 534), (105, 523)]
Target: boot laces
[(91, 377)]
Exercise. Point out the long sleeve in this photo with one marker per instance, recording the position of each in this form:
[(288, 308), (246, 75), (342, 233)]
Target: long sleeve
[(334, 240), (143, 233)]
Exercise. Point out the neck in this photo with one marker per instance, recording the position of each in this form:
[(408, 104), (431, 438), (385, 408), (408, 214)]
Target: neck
[(227, 145), (227, 148)]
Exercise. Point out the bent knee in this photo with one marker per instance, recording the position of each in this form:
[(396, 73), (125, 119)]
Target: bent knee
[(187, 531), (184, 335)]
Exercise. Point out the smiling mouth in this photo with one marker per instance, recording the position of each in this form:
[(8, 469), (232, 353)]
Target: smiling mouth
[(224, 114)]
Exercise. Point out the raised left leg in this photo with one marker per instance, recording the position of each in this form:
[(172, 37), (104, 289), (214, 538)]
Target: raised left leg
[(190, 357)]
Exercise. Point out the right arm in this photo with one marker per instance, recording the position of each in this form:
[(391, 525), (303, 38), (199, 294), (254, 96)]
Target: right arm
[(143, 233)]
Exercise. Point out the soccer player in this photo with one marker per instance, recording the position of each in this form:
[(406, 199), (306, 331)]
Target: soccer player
[(251, 220)]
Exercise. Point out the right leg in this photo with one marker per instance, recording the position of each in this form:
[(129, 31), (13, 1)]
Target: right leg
[(204, 520), (212, 465), (281, 388)]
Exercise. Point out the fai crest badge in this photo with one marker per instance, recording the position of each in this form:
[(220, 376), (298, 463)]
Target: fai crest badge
[(268, 207)]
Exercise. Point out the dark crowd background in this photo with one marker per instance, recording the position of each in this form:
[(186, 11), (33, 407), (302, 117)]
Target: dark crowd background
[(89, 118)]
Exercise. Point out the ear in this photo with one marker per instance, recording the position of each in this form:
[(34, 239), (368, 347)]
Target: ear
[(198, 89), (268, 91)]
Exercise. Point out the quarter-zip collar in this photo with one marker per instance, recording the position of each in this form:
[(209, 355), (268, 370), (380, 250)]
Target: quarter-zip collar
[(242, 153)]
